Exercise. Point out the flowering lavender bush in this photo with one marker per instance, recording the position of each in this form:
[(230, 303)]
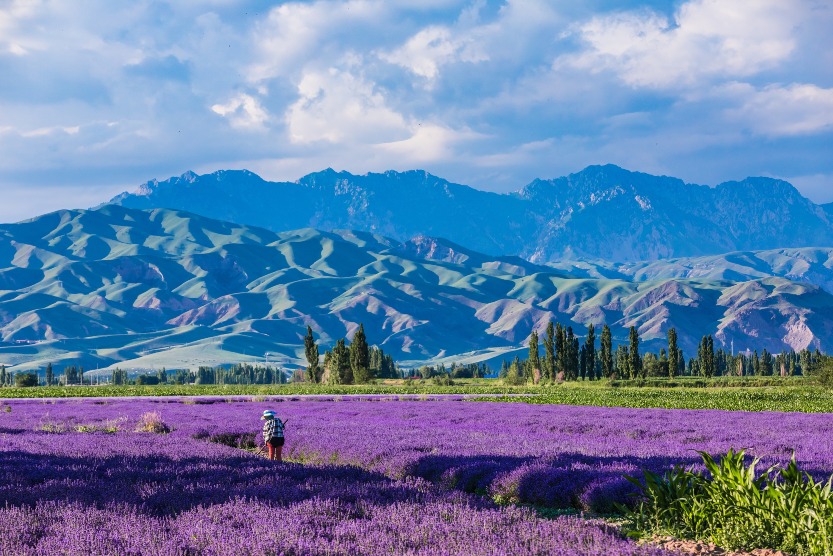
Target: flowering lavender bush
[(368, 477)]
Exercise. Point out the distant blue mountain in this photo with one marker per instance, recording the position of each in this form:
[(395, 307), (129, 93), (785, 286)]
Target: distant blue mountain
[(601, 212)]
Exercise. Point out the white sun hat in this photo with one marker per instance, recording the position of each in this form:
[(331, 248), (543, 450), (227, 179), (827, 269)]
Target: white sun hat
[(268, 414)]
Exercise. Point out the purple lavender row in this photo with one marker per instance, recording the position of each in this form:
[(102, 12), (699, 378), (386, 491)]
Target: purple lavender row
[(69, 492), (558, 456)]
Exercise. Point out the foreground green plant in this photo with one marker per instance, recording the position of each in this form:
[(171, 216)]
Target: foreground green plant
[(736, 508)]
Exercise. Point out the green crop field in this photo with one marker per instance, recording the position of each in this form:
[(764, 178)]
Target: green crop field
[(747, 394)]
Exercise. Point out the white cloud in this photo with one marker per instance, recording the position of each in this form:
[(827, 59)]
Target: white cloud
[(243, 111), (336, 106), (775, 110), (707, 39), (432, 47), (294, 34), (427, 143)]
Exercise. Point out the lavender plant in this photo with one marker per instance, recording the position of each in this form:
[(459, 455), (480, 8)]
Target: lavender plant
[(369, 476)]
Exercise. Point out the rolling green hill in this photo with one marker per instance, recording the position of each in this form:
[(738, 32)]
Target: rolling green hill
[(150, 288)]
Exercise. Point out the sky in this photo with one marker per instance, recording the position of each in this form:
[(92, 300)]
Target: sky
[(97, 96)]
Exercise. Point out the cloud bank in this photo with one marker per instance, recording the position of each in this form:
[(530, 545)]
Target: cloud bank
[(491, 94)]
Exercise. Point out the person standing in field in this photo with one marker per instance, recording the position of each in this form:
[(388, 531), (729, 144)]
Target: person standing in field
[(273, 434)]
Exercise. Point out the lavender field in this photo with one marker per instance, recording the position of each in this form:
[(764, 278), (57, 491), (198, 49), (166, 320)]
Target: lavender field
[(371, 476)]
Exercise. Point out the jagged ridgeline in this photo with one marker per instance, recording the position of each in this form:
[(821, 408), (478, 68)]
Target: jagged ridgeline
[(160, 287), (602, 212)]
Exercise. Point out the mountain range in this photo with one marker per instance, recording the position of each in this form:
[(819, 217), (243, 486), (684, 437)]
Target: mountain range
[(602, 212), (153, 287)]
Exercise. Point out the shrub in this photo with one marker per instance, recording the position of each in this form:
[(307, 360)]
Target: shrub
[(152, 422), (443, 380)]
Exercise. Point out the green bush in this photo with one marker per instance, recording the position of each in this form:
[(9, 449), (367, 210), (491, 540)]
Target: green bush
[(25, 380), (736, 508), (823, 372)]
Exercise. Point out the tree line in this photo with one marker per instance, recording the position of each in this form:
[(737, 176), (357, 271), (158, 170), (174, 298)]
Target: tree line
[(356, 363), (566, 357)]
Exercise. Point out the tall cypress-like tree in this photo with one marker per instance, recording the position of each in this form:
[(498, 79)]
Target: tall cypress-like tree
[(766, 363), (50, 375), (673, 353), (560, 351), (341, 363), (705, 356), (311, 352), (582, 362), (571, 349), (360, 357), (590, 352), (634, 360), (607, 352), (2, 375), (533, 363), (549, 353), (623, 365)]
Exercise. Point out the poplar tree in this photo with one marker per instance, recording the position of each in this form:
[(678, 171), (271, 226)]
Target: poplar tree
[(766, 363), (673, 353), (311, 352), (340, 371), (590, 352), (2, 375), (50, 376), (571, 349), (533, 363), (607, 352), (634, 360), (360, 357), (623, 365), (560, 351), (549, 353)]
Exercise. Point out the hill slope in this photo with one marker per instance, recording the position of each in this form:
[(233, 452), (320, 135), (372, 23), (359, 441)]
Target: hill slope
[(601, 212), (144, 288)]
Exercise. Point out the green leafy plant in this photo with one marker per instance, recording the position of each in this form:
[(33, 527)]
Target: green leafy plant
[(735, 507)]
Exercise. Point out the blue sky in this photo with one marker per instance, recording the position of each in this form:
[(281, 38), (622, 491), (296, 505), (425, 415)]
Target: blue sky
[(99, 96)]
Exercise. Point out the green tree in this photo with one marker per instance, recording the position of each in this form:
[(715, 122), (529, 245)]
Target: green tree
[(590, 352), (571, 349), (515, 373), (651, 366), (50, 375), (623, 363), (25, 380), (634, 360), (162, 375), (607, 352), (673, 353), (533, 362), (549, 353), (360, 357), (311, 352), (560, 351), (766, 363), (705, 356), (3, 375), (340, 369)]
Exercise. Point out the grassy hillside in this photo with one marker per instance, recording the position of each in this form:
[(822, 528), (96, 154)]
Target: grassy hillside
[(146, 289)]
